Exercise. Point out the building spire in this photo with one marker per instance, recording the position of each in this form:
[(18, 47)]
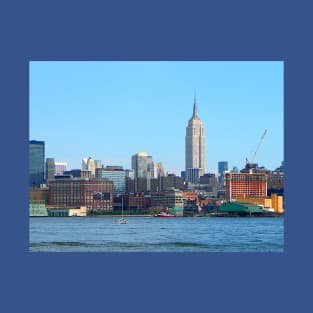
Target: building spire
[(195, 107)]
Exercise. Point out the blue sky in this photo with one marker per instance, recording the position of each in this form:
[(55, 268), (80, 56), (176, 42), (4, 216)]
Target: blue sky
[(112, 110)]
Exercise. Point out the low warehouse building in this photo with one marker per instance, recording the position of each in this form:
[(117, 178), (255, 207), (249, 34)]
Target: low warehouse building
[(241, 208)]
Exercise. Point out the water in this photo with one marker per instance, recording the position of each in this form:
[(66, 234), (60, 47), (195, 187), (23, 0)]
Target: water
[(151, 234)]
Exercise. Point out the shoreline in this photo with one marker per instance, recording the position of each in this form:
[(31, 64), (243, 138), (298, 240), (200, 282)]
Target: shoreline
[(146, 215)]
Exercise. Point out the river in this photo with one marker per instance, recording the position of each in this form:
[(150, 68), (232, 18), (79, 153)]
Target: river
[(152, 234)]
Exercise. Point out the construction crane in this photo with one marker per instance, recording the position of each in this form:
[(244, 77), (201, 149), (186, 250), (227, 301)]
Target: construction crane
[(262, 138)]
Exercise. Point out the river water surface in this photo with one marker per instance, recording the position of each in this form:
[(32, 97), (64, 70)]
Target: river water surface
[(151, 234)]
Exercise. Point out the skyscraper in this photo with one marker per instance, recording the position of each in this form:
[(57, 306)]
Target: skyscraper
[(222, 167), (195, 143), (36, 163), (91, 166), (50, 169), (143, 166)]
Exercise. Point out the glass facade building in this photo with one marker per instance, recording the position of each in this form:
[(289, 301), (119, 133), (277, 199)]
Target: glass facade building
[(143, 165), (36, 163), (222, 168), (117, 176)]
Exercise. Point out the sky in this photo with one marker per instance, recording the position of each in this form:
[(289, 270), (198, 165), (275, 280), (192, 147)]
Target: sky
[(111, 110)]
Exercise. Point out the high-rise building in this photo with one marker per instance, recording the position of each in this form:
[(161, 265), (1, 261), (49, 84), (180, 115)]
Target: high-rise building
[(222, 168), (50, 169), (60, 168), (84, 164), (91, 166), (159, 170), (36, 163), (195, 144), (115, 174), (193, 175), (143, 166)]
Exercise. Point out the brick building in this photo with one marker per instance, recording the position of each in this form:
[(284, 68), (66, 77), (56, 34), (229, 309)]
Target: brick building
[(248, 184), (96, 195)]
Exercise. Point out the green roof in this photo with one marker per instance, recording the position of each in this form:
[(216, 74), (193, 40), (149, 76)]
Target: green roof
[(241, 207), (176, 208)]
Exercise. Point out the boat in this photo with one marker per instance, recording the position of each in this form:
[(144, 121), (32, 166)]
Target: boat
[(122, 220), (164, 214)]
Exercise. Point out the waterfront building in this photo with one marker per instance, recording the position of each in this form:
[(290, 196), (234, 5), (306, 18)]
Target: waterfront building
[(222, 168), (115, 174), (60, 168), (158, 199), (37, 208), (36, 163), (39, 194), (241, 208), (273, 203), (95, 194), (143, 165), (55, 211), (137, 201), (190, 196), (248, 184), (195, 147), (174, 198), (50, 169)]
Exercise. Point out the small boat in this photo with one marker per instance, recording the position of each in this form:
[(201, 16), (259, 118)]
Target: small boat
[(122, 220), (164, 214)]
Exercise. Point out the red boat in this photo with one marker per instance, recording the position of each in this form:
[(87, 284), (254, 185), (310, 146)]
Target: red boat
[(164, 214)]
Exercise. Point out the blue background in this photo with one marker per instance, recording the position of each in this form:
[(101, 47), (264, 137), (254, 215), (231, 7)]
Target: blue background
[(146, 30)]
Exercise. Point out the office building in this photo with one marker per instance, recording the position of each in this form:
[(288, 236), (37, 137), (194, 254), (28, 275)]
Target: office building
[(115, 174), (60, 168), (222, 168), (36, 163), (95, 194), (84, 164), (159, 169), (91, 166), (245, 184), (195, 146), (143, 166), (193, 175), (50, 169)]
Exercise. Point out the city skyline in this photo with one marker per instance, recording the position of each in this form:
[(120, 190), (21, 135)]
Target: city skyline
[(112, 110)]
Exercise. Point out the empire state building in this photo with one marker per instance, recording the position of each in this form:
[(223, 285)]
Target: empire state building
[(195, 147)]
